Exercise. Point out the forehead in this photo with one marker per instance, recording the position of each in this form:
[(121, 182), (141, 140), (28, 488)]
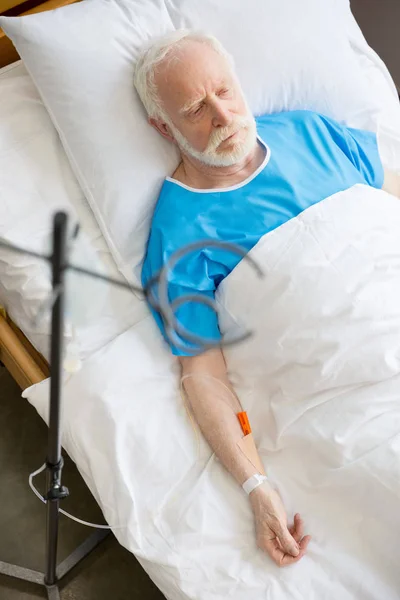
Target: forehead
[(189, 72)]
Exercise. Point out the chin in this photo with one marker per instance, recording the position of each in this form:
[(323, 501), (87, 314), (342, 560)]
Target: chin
[(238, 152)]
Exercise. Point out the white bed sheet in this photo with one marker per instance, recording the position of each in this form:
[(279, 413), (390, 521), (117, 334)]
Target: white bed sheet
[(36, 180), (320, 380)]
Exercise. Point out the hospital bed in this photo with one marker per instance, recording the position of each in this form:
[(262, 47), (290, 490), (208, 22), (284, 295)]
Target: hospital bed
[(158, 484)]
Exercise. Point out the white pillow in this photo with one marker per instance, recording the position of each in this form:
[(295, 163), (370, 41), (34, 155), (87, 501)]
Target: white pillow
[(35, 181), (289, 54)]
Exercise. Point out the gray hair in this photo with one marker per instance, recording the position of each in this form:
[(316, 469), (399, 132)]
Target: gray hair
[(158, 51)]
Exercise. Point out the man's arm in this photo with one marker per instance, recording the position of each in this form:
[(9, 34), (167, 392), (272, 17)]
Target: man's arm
[(215, 410), (391, 183)]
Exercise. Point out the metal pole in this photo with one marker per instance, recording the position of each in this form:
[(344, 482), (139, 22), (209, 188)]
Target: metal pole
[(54, 460)]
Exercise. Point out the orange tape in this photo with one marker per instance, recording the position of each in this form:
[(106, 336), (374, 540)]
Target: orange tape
[(244, 422)]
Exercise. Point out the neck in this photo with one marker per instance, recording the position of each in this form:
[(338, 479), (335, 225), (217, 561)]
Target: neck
[(199, 175)]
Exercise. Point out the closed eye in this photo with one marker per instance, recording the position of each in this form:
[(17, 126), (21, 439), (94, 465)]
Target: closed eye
[(197, 111)]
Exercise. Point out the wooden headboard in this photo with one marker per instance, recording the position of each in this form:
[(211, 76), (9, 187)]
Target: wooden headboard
[(7, 5), (12, 8)]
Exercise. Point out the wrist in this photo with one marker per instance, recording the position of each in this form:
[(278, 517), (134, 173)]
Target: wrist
[(260, 493), (253, 482)]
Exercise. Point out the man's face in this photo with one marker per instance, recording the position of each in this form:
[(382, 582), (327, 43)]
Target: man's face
[(207, 114)]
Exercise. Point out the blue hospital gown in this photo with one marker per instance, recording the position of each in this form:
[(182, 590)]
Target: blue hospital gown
[(308, 158)]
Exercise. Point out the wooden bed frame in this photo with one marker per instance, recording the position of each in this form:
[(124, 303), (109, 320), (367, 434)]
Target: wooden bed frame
[(17, 354)]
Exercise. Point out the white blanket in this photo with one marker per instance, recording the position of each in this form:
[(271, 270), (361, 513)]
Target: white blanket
[(320, 380)]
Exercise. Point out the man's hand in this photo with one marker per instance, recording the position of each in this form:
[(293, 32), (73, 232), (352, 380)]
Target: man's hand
[(285, 545)]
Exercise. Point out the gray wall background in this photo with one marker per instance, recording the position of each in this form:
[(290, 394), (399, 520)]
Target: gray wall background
[(380, 23)]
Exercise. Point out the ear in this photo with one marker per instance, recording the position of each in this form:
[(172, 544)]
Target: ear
[(162, 128)]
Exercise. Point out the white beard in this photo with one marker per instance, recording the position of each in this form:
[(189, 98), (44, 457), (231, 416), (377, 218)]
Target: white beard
[(210, 156)]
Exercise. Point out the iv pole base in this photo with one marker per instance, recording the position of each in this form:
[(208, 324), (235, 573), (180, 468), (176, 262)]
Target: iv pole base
[(63, 568)]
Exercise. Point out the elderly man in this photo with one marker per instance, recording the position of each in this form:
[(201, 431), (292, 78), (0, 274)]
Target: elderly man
[(238, 179)]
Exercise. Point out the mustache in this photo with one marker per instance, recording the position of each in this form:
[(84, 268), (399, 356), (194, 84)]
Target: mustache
[(219, 135)]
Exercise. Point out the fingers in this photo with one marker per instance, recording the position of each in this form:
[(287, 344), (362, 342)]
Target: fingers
[(297, 530), (281, 558), (288, 544), (284, 545), (304, 543), (278, 556), (290, 560)]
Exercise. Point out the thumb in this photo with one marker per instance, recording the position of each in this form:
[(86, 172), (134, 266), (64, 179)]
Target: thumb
[(288, 543)]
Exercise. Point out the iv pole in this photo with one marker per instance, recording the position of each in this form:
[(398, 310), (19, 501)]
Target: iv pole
[(54, 461)]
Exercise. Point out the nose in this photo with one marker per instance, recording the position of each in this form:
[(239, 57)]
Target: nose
[(222, 116)]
